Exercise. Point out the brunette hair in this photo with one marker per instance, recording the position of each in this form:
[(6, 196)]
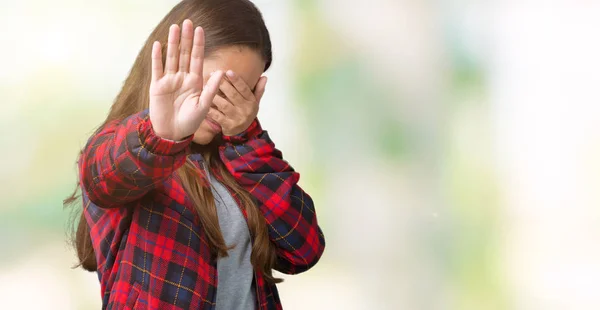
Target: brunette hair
[(225, 23)]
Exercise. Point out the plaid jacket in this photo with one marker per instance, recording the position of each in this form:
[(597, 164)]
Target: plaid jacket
[(150, 247)]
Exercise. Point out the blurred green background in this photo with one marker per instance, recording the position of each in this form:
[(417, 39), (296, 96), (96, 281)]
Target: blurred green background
[(451, 147)]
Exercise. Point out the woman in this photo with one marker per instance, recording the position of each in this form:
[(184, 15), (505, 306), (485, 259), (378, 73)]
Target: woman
[(186, 202)]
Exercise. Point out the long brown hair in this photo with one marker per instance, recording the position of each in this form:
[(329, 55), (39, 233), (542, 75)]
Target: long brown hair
[(225, 23)]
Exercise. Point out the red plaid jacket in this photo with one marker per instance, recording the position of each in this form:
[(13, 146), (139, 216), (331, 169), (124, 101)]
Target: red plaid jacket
[(150, 247)]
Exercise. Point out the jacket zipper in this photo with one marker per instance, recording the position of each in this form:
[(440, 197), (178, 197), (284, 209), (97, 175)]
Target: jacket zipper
[(259, 304)]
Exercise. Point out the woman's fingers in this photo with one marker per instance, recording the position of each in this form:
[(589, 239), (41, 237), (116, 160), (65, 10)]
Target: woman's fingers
[(185, 48), (211, 89), (217, 116), (259, 90), (240, 85), (222, 104), (172, 50), (157, 65), (230, 92), (197, 52)]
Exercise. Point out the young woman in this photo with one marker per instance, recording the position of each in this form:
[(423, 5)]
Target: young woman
[(186, 202)]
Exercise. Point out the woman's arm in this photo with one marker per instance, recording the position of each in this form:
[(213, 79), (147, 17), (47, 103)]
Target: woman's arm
[(126, 159), (251, 157)]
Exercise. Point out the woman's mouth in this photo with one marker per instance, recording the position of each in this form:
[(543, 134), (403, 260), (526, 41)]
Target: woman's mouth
[(213, 125)]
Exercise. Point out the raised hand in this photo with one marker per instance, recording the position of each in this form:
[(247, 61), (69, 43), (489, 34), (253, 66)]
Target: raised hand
[(178, 100)]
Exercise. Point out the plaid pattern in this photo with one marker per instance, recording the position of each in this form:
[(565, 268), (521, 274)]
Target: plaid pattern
[(151, 250)]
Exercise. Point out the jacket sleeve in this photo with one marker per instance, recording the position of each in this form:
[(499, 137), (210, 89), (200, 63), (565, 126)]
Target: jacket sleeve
[(253, 160), (124, 160)]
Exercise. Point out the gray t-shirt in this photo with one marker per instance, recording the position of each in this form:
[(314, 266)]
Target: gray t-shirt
[(235, 289)]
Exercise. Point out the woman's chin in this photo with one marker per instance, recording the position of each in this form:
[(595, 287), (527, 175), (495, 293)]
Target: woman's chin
[(203, 137)]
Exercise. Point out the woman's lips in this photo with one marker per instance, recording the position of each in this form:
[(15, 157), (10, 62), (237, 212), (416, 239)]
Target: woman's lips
[(213, 125)]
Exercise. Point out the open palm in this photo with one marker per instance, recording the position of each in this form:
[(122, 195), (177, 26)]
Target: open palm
[(178, 100)]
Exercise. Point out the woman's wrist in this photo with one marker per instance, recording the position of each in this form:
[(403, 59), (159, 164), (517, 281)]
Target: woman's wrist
[(253, 131)]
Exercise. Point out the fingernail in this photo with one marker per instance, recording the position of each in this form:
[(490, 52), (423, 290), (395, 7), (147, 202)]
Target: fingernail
[(230, 73)]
